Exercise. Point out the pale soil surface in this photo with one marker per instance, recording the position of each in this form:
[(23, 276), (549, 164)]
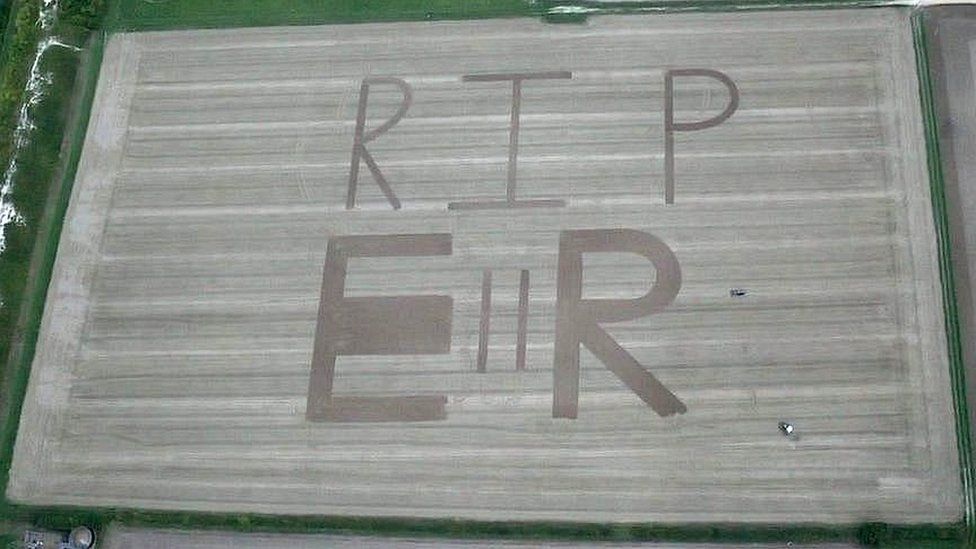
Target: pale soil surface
[(174, 360)]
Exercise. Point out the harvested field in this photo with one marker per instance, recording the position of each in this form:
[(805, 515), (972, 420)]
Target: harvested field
[(204, 346)]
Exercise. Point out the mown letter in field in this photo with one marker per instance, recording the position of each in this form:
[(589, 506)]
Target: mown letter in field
[(511, 201), (670, 126), (359, 152), (578, 320), (388, 325)]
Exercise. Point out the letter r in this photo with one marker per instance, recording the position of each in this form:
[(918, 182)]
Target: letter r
[(577, 319), (359, 151)]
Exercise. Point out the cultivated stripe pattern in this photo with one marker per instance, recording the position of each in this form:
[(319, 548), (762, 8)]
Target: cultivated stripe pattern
[(173, 366)]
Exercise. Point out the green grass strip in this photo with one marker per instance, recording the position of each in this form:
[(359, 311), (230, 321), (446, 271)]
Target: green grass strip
[(127, 15), (941, 215), (48, 236), (131, 15)]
